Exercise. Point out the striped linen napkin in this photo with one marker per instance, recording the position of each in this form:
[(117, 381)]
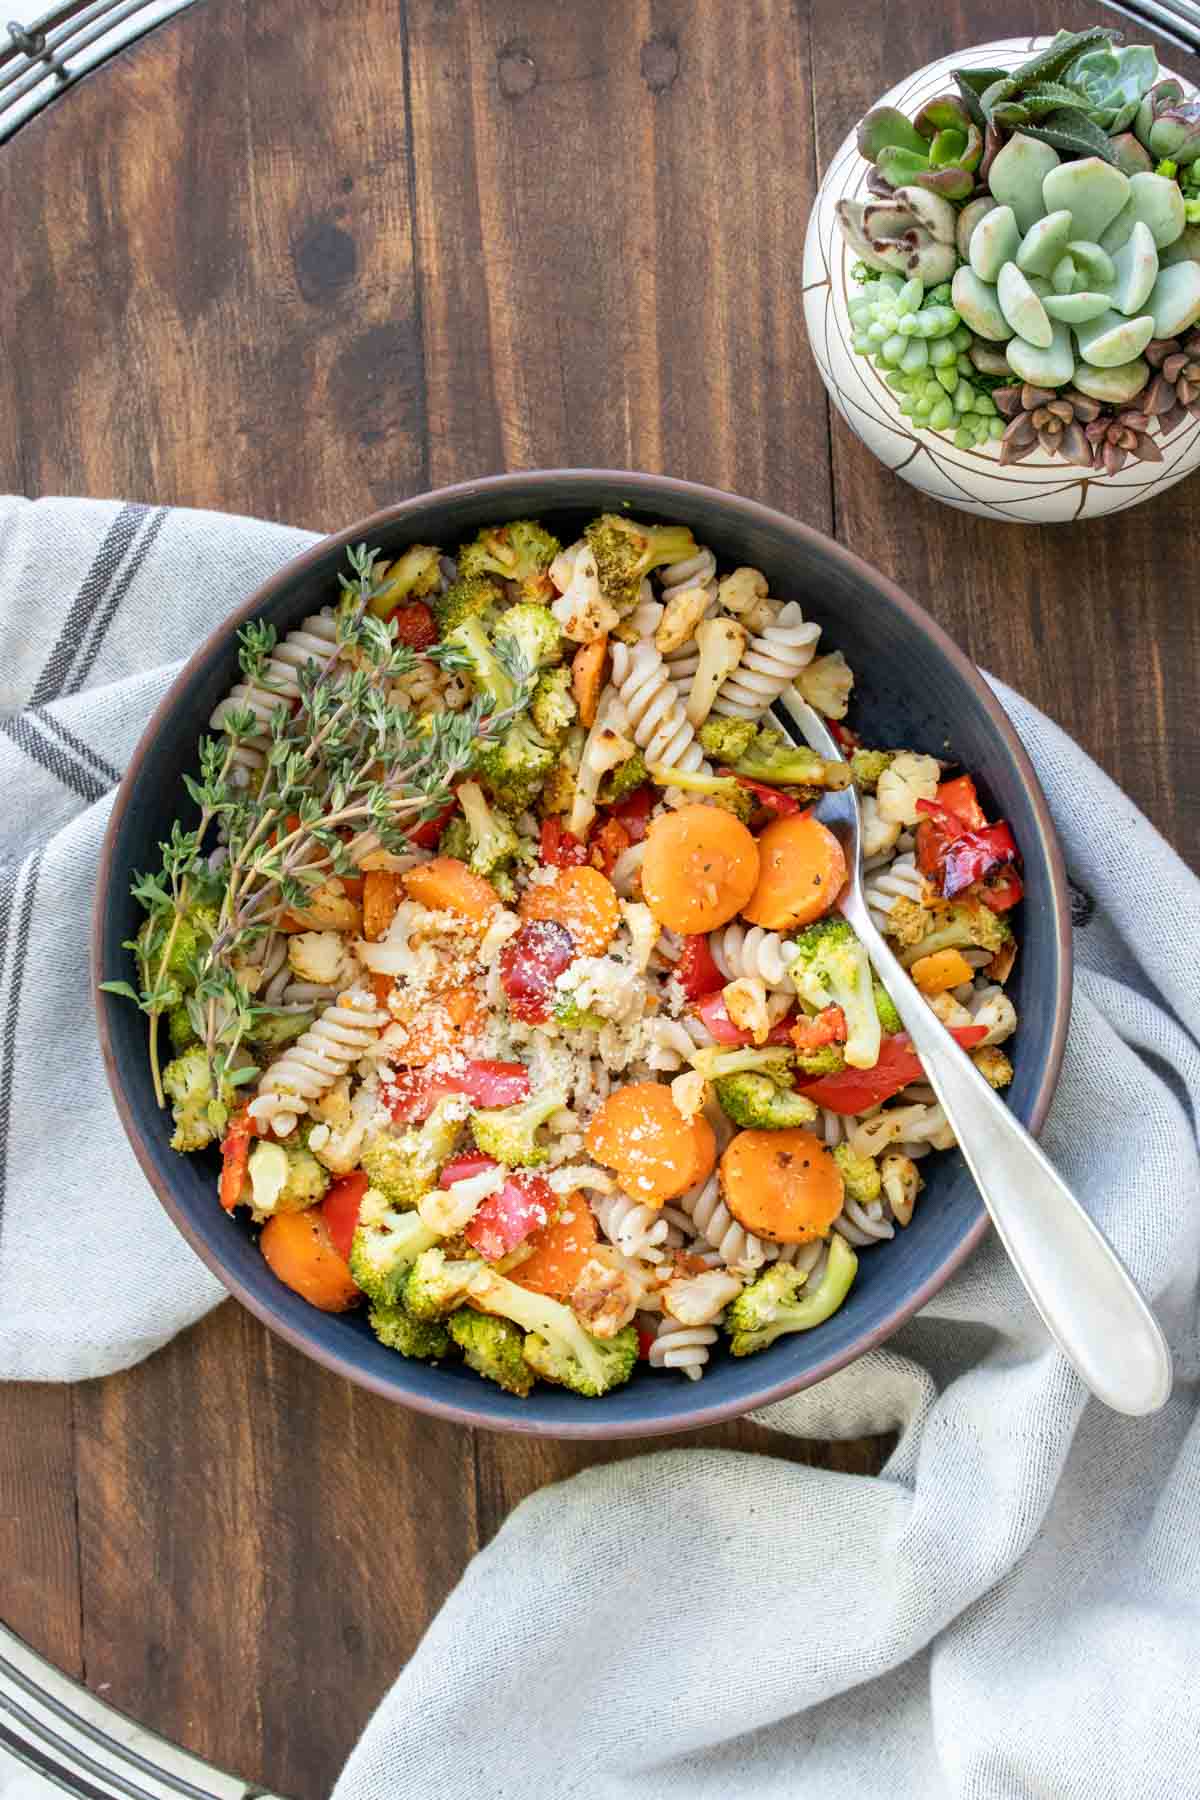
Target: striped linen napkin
[(1010, 1610)]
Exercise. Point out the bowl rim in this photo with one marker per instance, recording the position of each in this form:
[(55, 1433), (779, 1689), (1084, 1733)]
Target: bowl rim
[(651, 487)]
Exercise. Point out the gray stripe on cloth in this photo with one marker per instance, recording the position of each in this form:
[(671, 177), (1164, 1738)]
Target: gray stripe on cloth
[(107, 561), (8, 1044), (84, 751), (117, 593), (54, 758)]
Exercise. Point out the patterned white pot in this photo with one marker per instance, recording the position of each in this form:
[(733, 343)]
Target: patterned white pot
[(1041, 490)]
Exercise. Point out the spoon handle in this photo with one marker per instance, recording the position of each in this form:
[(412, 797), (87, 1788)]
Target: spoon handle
[(1085, 1295)]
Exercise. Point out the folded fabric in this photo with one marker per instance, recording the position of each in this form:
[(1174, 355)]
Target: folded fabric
[(1012, 1609)]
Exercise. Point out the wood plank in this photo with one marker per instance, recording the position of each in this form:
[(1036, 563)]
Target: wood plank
[(39, 1558), (262, 1547), (1094, 622)]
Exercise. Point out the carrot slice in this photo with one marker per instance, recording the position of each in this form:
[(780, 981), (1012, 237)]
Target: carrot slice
[(587, 677), (802, 871), (447, 885), (781, 1185), (380, 898), (560, 1251), (656, 1152), (299, 1250), (701, 867), (583, 900), (943, 970)]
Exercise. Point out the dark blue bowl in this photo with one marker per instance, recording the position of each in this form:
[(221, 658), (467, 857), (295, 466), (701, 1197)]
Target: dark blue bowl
[(913, 687)]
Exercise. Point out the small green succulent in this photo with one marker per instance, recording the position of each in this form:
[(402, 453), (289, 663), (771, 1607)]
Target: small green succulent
[(919, 344)]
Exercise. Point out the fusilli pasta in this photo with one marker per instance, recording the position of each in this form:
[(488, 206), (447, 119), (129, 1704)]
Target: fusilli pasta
[(773, 660), (307, 1068)]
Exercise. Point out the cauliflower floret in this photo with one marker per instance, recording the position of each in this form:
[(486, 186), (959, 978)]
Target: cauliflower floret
[(699, 1299), (993, 1065), (607, 746), (681, 615), (581, 609), (721, 643), (450, 1210), (602, 984), (318, 956), (746, 1004), (330, 908), (999, 1015), (643, 930), (744, 594), (689, 1091), (605, 1297), (949, 1010), (826, 684), (901, 1183), (878, 834), (911, 777)]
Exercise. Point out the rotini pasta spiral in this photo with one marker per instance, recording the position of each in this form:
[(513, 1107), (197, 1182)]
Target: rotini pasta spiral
[(313, 641), (310, 1066), (638, 1231), (682, 1347), (859, 1224), (775, 657), (655, 712), (899, 880), (714, 1222), (740, 951), (667, 1044), (699, 571)]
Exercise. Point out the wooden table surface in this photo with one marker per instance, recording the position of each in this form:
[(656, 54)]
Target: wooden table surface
[(300, 261)]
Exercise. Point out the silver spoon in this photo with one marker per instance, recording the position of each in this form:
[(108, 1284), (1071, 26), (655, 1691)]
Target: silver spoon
[(1087, 1298)]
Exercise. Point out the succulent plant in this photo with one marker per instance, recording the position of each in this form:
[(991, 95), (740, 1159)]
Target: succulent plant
[(1047, 419), (1116, 437), (1077, 95), (1169, 125), (920, 345), (912, 232), (1064, 271), (1174, 389), (939, 150)]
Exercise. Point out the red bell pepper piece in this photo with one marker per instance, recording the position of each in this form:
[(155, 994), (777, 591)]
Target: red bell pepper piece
[(854, 1090), (559, 848), (413, 624), (1002, 888), (847, 739), (426, 835), (783, 805), (235, 1155), (461, 1168), (505, 1219), (712, 1010), (829, 1027), (606, 844), (959, 797), (696, 971), (634, 811), (975, 854), (339, 1209), (645, 1339), (417, 1091)]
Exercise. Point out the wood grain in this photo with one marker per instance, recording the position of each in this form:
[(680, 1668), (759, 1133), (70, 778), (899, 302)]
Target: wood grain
[(300, 261)]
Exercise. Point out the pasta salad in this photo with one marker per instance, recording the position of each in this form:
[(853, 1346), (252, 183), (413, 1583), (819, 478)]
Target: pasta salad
[(499, 958)]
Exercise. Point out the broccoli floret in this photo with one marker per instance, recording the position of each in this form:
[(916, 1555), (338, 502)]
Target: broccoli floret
[(830, 968), (477, 598), (553, 709), (830, 1059), (455, 841), (270, 1029), (860, 1174), (722, 790), (570, 1016), (907, 921), (626, 552), (182, 1032), (491, 676), (958, 925), (493, 1347), (866, 766), (418, 1338), (556, 1345), (756, 1103), (520, 551), (188, 1085), (514, 766), (624, 779), (384, 1250), (509, 1133), (774, 1304), (534, 631), (771, 758), (284, 1178), (411, 577), (491, 840), (889, 1019), (773, 1060), (727, 739), (404, 1167), (993, 1065), (195, 930)]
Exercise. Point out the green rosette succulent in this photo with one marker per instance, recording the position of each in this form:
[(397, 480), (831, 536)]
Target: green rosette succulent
[(938, 151), (1069, 270), (919, 344)]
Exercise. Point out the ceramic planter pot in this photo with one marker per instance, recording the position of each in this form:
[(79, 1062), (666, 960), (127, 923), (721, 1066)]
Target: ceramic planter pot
[(1040, 490)]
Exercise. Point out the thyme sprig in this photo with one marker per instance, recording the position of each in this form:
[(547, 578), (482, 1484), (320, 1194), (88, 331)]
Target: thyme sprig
[(341, 763)]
